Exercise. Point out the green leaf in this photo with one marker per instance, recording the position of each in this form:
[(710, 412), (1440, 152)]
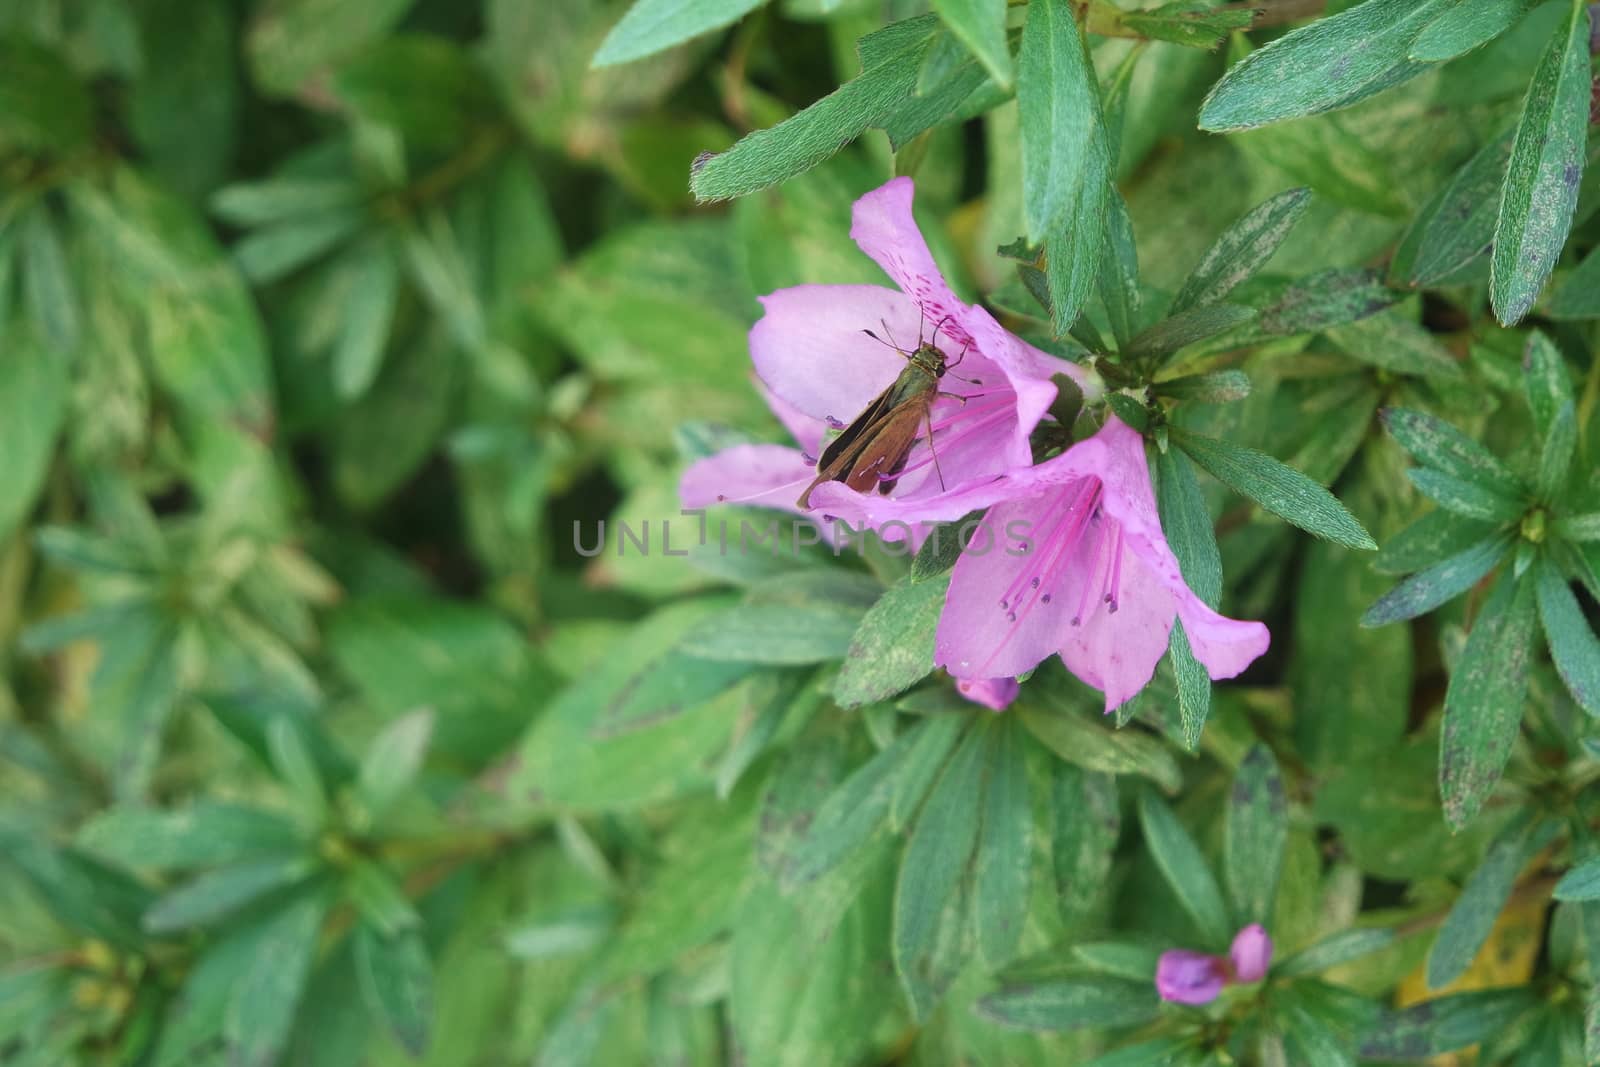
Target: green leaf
[(1483, 705), (295, 765), (1445, 1024), (1212, 387), (1328, 298), (375, 289), (890, 58), (860, 807), (1096, 748), (652, 26), (1433, 538), (45, 108), (1331, 63), (1281, 490), (261, 1006), (1242, 250), (1573, 645), (1459, 226), (1579, 295), (667, 687), (1465, 498), (1435, 443), (1467, 926), (47, 284), (217, 894), (892, 649), (1073, 250), (1466, 26), (392, 761), (778, 634), (1581, 882), (1335, 949), (1394, 341), (1545, 381), (1547, 158), (1555, 459), (1187, 328), (1181, 24), (204, 834), (33, 404), (1442, 582), (981, 26), (1579, 527), (1186, 521), (1063, 140), (1072, 1004), (275, 251), (296, 40), (1184, 868), (1257, 831), (396, 980), (930, 900), (1003, 865), (1088, 821), (1119, 269)]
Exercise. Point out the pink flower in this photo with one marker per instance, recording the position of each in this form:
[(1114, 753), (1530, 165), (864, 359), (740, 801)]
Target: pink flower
[(996, 694), (1187, 977), (1251, 953), (1071, 560), (821, 370)]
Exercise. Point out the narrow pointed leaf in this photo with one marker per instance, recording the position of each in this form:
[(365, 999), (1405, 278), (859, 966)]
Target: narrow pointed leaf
[(1059, 104), (1464, 27), (1541, 187), (1257, 831), (1184, 867), (1545, 380), (1282, 490), (1438, 584), (1465, 498), (1435, 443), (1555, 460), (1573, 645), (652, 26), (981, 26), (1483, 705), (1467, 926), (1330, 63), (1242, 250)]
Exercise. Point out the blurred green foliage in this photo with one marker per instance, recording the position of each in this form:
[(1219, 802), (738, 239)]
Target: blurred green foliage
[(323, 741)]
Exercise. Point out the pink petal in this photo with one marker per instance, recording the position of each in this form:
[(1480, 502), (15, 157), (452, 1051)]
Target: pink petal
[(1251, 953), (758, 475), (1186, 977), (995, 694), (1226, 646), (978, 637), (807, 431), (1116, 651), (809, 349), (882, 226)]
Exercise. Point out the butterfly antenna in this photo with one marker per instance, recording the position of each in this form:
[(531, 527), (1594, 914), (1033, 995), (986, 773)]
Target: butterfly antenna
[(892, 342), (880, 340), (934, 340)]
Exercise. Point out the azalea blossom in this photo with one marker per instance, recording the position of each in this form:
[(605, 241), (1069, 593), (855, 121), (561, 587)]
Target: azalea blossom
[(1184, 976), (1082, 570), (823, 354)]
